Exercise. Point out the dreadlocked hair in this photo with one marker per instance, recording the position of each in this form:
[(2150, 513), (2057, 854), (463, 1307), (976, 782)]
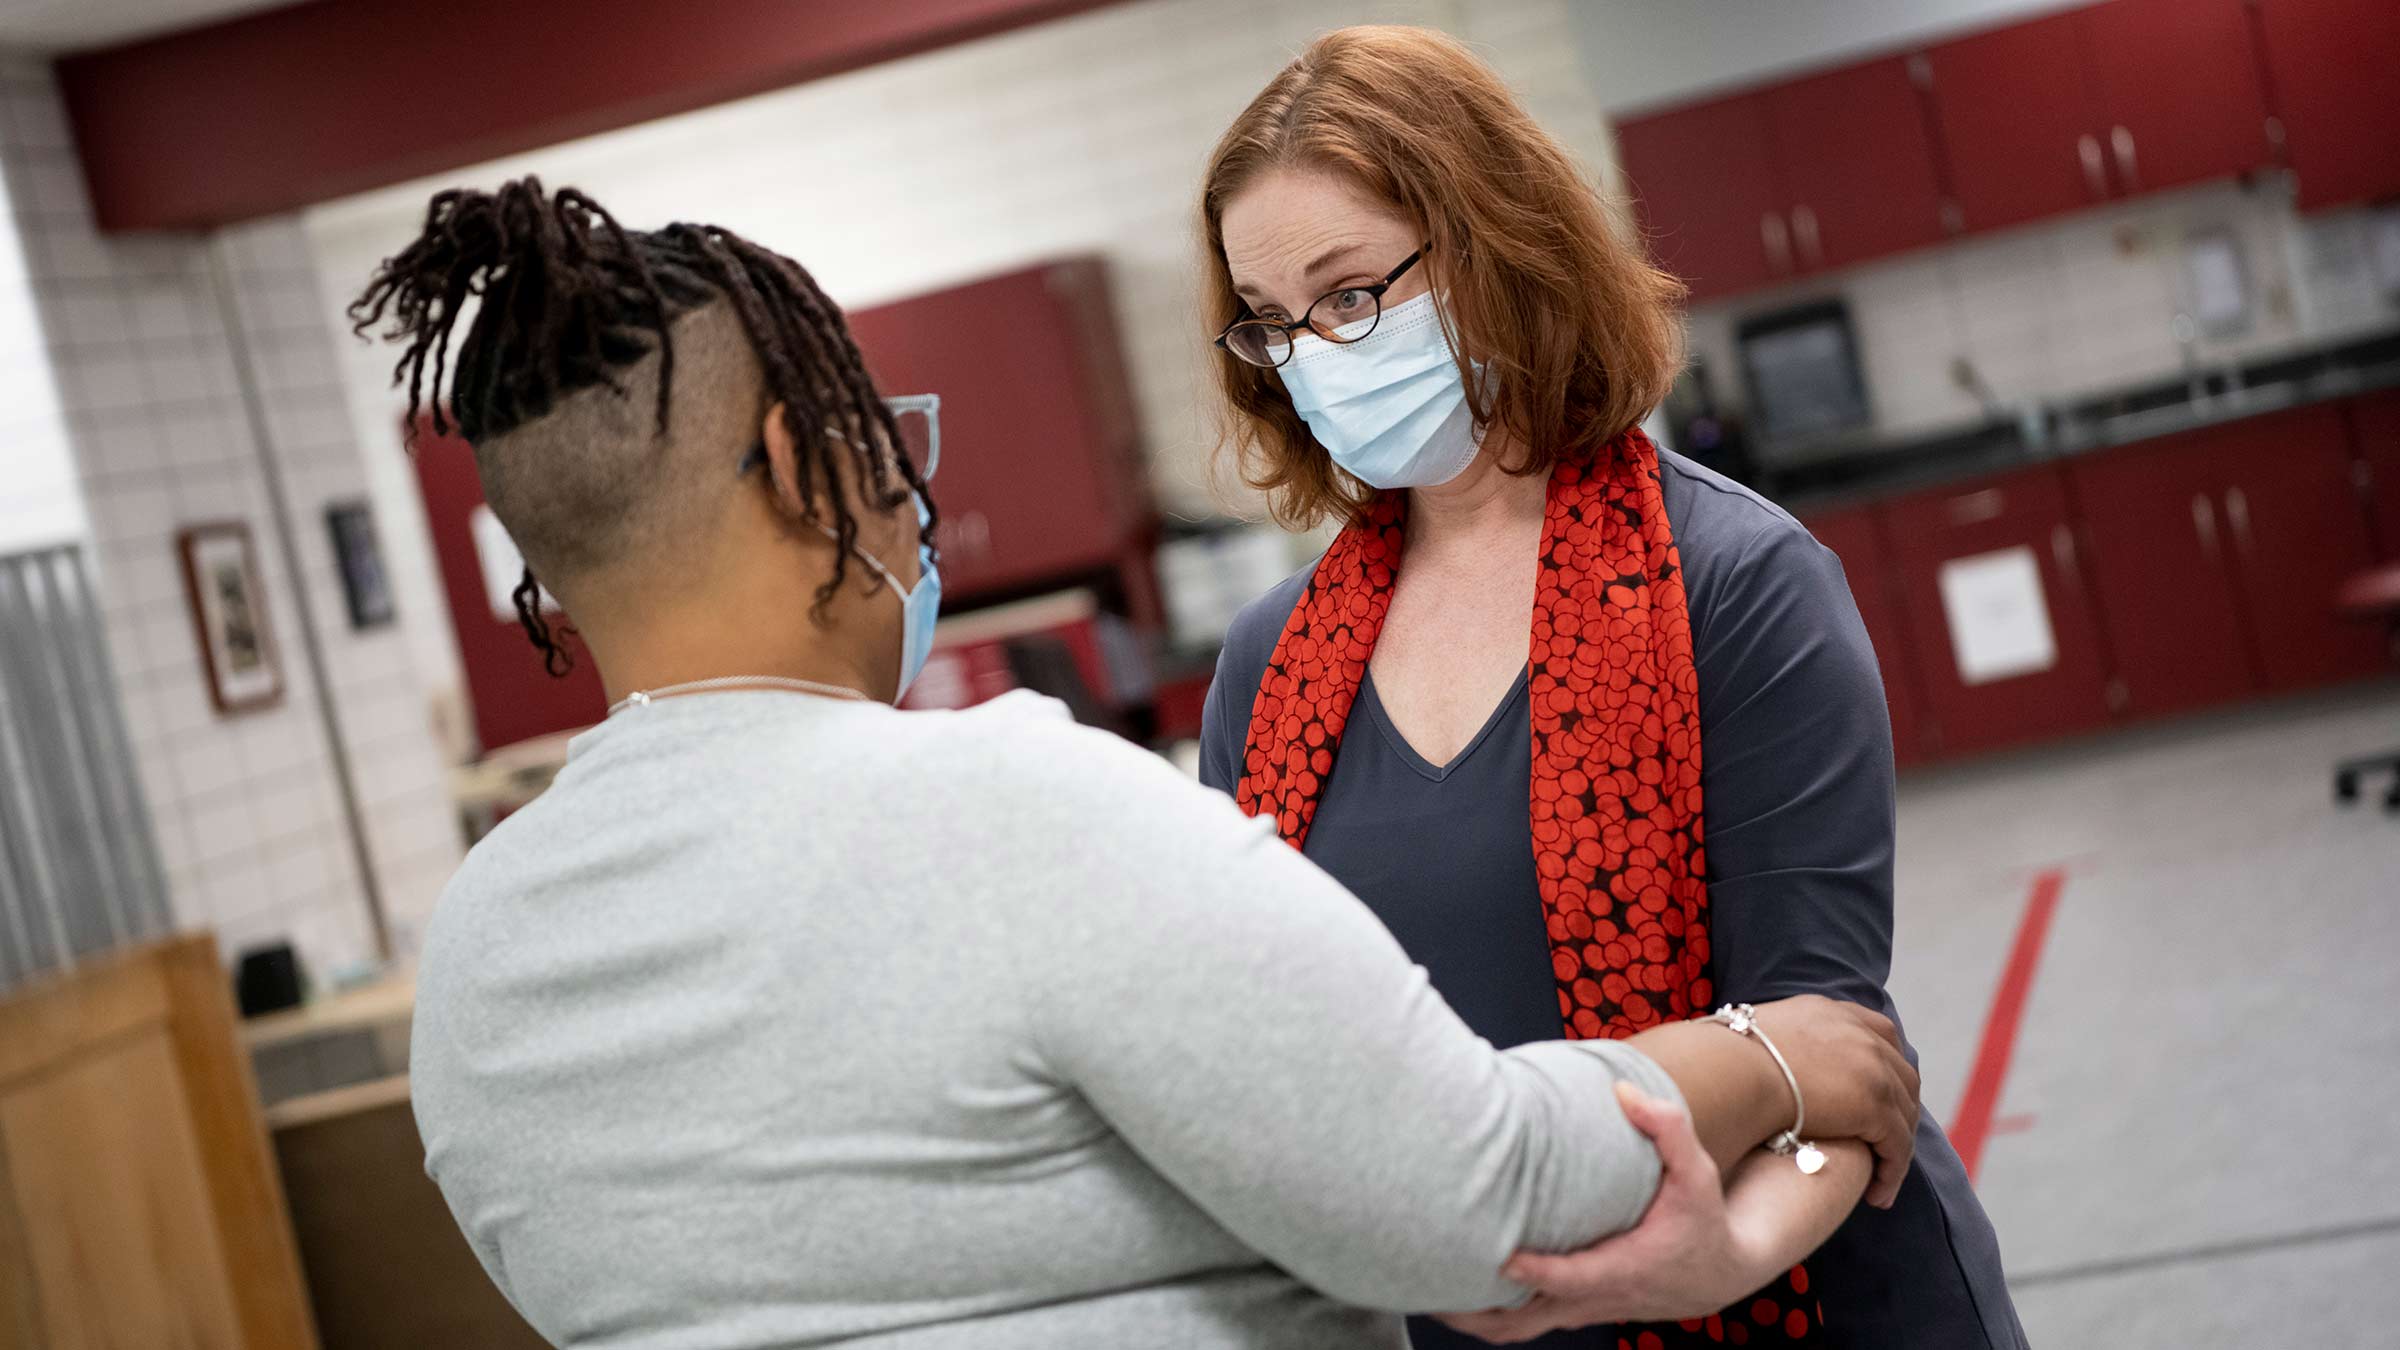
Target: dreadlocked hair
[(565, 299)]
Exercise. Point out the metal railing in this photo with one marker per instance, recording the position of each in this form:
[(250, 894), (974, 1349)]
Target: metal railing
[(79, 869)]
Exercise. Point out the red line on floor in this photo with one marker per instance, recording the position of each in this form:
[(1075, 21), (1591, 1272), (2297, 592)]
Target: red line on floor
[(1972, 1125)]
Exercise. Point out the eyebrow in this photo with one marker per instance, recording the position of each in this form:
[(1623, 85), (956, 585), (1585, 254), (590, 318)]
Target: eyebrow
[(1316, 266)]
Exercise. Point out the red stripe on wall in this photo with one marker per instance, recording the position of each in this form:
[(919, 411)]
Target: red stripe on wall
[(1972, 1126)]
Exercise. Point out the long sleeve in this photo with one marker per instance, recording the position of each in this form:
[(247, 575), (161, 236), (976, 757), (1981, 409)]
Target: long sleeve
[(1797, 777), (1261, 1040)]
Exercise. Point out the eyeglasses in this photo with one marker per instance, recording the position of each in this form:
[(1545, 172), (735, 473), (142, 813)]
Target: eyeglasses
[(1344, 316)]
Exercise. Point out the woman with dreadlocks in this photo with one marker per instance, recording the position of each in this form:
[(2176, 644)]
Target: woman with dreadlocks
[(785, 1017)]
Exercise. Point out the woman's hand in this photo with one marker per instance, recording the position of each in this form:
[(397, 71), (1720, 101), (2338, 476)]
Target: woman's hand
[(1857, 1083), (1686, 1258)]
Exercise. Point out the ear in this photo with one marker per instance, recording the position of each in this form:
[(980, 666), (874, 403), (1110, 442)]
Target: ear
[(783, 460)]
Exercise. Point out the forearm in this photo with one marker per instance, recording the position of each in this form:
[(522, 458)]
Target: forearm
[(1780, 1214), (1737, 1097)]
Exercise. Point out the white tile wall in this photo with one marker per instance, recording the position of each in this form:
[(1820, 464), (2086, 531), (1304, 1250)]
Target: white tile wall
[(1087, 134), (157, 438), (2079, 305)]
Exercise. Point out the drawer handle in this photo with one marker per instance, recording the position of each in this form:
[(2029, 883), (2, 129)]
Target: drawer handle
[(2095, 176), (1804, 227), (1778, 241), (1977, 507), (2204, 523), (2062, 548), (2237, 514), (2129, 174)]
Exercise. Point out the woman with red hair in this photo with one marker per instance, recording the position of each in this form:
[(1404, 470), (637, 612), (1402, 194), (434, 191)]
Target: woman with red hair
[(1596, 733)]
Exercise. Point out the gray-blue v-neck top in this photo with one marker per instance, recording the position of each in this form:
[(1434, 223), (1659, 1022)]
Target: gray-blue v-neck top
[(1796, 780)]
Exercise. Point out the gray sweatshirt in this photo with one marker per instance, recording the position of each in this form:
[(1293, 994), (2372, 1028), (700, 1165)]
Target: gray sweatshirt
[(783, 1021)]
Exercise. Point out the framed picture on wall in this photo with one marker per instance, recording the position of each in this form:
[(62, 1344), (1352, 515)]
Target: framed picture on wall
[(229, 613), (360, 556)]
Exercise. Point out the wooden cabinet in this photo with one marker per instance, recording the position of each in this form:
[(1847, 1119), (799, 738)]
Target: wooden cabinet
[(2045, 117), (1856, 537), (1811, 174), (1042, 474), (2014, 523), (2216, 555), (2375, 432), (2332, 67), (1853, 151), (1708, 194)]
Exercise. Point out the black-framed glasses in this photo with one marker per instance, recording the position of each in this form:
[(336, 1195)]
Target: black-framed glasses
[(1345, 314)]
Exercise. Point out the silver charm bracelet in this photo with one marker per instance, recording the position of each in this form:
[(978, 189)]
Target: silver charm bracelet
[(1742, 1020)]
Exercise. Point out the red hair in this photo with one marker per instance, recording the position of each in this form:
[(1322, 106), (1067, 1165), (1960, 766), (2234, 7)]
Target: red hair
[(1580, 332)]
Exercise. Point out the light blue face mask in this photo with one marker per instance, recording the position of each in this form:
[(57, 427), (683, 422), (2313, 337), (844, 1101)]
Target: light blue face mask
[(1390, 407), (921, 604)]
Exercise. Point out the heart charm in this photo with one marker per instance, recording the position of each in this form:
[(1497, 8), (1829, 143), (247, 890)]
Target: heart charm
[(1811, 1159)]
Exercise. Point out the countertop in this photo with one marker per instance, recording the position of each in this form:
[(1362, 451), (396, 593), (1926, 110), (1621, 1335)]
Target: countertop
[(1868, 469)]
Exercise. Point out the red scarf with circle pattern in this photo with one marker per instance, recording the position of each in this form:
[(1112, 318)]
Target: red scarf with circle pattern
[(1618, 840)]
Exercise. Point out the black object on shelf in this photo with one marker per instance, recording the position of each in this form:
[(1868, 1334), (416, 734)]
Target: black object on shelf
[(269, 979), (1806, 385)]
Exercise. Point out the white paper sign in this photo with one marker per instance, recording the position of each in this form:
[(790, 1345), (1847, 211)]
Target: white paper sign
[(1999, 624)]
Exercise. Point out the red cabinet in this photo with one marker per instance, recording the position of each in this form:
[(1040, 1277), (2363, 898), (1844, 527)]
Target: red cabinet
[(2016, 112), (1854, 155), (1958, 547), (1856, 537), (1814, 173), (2178, 91), (2216, 555), (2044, 117), (2332, 66), (1707, 193), (1041, 475), (2375, 428)]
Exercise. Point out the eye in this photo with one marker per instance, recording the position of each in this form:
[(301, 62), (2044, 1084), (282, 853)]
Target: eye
[(1351, 302)]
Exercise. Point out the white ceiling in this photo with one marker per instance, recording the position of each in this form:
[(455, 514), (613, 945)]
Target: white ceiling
[(52, 26)]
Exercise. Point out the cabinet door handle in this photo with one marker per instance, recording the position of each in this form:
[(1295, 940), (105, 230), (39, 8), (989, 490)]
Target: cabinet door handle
[(2129, 173), (1973, 508), (1778, 241), (2095, 175), (2062, 548), (2237, 514), (1804, 225), (2204, 523)]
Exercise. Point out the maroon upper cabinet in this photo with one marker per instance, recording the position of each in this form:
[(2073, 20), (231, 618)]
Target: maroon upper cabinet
[(2108, 101), (1854, 155), (1991, 587), (2178, 86), (1857, 539), (2018, 120), (1710, 202), (1041, 474), (2334, 65)]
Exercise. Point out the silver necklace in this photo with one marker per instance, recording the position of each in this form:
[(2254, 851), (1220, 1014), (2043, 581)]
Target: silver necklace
[(642, 698)]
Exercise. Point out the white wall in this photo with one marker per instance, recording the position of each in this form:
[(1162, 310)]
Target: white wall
[(246, 806), (40, 502), (1646, 52), (1083, 135)]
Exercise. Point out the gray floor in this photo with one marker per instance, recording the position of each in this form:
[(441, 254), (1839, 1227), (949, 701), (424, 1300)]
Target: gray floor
[(2207, 1119)]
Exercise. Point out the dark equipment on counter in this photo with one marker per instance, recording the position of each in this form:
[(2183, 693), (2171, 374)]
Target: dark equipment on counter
[(268, 980), (1805, 382)]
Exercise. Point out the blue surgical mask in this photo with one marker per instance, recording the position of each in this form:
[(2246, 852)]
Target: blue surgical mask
[(920, 605), (1390, 408)]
